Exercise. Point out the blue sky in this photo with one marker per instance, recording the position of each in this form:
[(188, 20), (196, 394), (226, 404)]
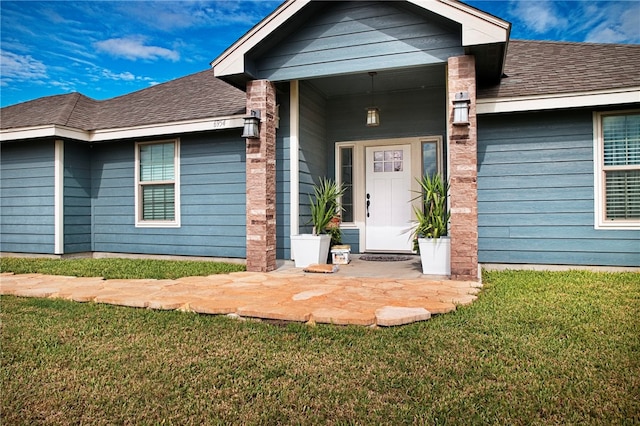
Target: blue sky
[(105, 49)]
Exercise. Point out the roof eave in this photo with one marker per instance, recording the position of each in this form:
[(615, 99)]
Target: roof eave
[(103, 135), (596, 98)]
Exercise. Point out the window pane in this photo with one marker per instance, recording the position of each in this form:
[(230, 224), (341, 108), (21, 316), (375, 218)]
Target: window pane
[(158, 202), (621, 135), (346, 177), (156, 162), (623, 194), (429, 159)]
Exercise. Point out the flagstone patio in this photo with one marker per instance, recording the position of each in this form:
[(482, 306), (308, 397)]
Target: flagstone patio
[(287, 294)]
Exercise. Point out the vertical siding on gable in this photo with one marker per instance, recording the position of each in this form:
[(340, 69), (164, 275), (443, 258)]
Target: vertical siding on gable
[(27, 197), (213, 198), (313, 148), (347, 37), (77, 197), (535, 193)]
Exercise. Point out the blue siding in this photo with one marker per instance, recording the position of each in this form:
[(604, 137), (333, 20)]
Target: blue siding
[(283, 183), (349, 37), (352, 237), (77, 198), (313, 148), (212, 200), (27, 197), (536, 193)]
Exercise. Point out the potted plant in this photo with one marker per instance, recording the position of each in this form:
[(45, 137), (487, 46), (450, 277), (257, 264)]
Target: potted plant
[(432, 220), (313, 248)]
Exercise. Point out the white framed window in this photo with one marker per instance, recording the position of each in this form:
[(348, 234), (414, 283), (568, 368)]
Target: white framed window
[(617, 169), (345, 175), (157, 192)]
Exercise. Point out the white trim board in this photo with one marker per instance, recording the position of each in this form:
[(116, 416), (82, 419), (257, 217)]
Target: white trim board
[(58, 197), (102, 135), (558, 101)]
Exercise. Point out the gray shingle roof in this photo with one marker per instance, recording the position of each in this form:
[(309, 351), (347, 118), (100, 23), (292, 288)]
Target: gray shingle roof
[(196, 96), (549, 67), (193, 97), (73, 109), (532, 67)]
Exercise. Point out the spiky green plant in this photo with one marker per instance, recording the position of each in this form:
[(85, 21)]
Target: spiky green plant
[(432, 217), (324, 204)]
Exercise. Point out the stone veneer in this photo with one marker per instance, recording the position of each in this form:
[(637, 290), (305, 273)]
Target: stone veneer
[(261, 179), (463, 172)]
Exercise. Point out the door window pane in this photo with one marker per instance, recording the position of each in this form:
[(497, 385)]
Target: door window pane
[(387, 161)]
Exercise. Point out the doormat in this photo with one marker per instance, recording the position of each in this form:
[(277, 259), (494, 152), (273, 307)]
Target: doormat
[(385, 257)]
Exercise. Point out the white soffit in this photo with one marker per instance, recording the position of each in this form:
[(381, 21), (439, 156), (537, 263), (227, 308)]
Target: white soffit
[(558, 101), (477, 28)]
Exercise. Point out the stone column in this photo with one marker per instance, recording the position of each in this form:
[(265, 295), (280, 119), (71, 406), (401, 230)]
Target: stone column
[(463, 172), (261, 179)]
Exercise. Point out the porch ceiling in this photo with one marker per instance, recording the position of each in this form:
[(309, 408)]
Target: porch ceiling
[(385, 81)]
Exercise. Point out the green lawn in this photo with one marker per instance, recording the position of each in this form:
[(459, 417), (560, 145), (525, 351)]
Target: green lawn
[(535, 348), (117, 268)]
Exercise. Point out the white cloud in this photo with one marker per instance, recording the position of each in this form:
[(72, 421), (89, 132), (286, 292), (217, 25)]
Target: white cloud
[(169, 16), (125, 76), (20, 67), (618, 26), (133, 48), (539, 16)]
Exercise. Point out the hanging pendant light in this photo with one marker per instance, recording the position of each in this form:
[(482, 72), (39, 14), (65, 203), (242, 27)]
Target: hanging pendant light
[(373, 113)]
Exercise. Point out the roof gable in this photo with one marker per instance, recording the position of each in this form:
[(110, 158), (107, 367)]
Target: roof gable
[(235, 64), (355, 37)]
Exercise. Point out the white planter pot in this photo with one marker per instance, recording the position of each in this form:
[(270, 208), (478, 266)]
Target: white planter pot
[(307, 249), (435, 254)]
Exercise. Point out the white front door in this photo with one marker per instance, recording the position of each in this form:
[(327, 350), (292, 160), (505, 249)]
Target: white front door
[(388, 195)]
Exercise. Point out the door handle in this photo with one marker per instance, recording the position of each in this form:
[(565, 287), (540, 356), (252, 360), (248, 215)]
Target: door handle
[(368, 203)]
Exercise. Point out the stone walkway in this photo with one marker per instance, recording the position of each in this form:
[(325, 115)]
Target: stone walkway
[(289, 296)]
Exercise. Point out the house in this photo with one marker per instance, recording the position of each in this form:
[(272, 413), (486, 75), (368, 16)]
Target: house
[(544, 160)]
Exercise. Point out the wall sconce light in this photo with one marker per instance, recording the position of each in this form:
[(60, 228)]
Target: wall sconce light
[(373, 113), (251, 128), (461, 104)]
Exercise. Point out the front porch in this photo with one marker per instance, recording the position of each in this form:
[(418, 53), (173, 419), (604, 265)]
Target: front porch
[(319, 131), (314, 72)]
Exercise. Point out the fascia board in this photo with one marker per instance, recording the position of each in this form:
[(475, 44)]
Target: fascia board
[(43, 132), (477, 27), (558, 101), (220, 123), (232, 60), (103, 135)]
